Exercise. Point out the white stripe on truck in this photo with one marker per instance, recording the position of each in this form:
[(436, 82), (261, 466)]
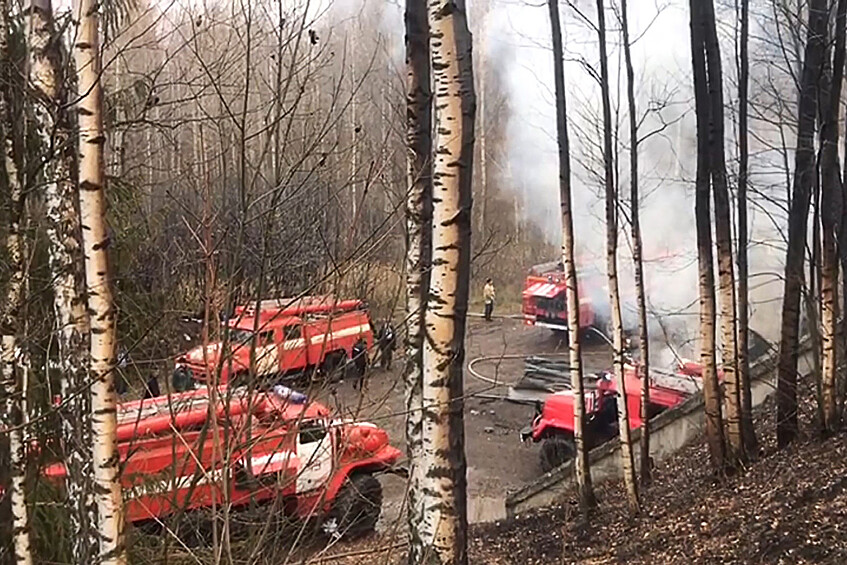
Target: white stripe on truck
[(353, 330)]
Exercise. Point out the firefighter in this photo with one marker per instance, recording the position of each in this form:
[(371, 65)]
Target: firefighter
[(488, 294), (359, 354), (387, 343), (151, 389)]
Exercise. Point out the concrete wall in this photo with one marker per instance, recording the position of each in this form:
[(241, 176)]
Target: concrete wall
[(669, 431)]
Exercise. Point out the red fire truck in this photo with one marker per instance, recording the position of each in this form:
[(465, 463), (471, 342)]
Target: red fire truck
[(172, 457), (554, 423), (545, 300), (294, 336)]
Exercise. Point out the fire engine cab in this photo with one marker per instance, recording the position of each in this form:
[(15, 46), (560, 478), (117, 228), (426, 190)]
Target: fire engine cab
[(554, 423), (187, 451), (544, 300), (291, 337)]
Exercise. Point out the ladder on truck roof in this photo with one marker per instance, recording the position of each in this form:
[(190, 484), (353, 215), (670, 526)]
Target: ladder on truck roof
[(160, 414), (179, 411), (298, 306)]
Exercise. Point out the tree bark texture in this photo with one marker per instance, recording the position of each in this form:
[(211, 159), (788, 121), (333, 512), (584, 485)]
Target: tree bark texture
[(804, 173), (583, 470), (637, 250), (10, 350), (11, 385), (627, 461), (444, 528), (10, 368), (723, 235), (750, 442), (65, 258), (95, 243), (418, 250), (711, 390), (831, 210)]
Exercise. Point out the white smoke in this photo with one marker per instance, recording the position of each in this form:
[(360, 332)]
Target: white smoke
[(661, 57)]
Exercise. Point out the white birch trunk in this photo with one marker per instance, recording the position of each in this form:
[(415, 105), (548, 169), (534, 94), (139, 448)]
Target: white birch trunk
[(65, 259), (10, 380), (831, 212), (583, 470), (612, 269), (10, 355), (95, 241), (723, 238), (637, 251), (444, 528), (418, 252)]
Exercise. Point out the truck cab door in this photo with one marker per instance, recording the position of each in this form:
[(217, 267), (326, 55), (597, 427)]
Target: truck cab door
[(314, 452), (293, 347), (267, 354)]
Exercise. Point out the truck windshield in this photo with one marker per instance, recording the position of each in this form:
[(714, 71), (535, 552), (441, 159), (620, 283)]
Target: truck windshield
[(243, 337), (240, 337), (312, 431)]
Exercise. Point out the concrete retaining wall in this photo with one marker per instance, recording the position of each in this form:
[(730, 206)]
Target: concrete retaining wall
[(669, 431)]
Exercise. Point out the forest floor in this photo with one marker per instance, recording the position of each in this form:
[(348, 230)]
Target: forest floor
[(789, 506)]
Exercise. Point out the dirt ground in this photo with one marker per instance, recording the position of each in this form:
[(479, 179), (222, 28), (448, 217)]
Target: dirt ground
[(497, 460), (787, 506)]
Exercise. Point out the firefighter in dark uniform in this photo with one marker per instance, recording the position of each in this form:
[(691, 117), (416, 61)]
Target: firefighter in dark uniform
[(359, 355), (387, 343), (151, 389)]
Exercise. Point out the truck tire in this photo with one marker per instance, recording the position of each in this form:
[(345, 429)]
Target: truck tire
[(357, 506), (332, 369), (556, 451)]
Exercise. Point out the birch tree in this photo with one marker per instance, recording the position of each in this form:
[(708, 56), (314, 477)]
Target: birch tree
[(10, 356), (711, 390), (804, 174), (831, 206), (443, 532), (723, 235), (54, 131), (95, 243), (418, 250), (750, 443), (583, 471), (612, 267), (637, 249)]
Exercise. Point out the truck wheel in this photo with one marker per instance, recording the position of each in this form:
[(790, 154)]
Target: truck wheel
[(333, 366), (555, 451), (357, 506)]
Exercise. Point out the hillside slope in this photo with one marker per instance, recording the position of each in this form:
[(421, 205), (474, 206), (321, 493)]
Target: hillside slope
[(788, 507)]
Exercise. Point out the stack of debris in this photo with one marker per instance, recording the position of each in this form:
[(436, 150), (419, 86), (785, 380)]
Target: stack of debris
[(542, 376)]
